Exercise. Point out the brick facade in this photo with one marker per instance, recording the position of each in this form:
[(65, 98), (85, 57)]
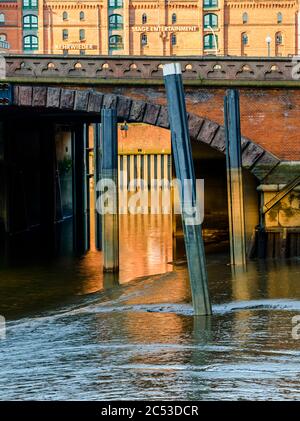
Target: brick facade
[(157, 28)]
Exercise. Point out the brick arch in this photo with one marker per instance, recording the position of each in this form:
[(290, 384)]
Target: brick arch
[(254, 158)]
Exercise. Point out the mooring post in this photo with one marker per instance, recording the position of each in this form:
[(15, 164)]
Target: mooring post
[(234, 178), (184, 168), (97, 177), (109, 172), (81, 221)]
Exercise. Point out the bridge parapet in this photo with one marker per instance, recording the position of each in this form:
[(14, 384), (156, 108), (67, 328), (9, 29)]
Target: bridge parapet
[(112, 69)]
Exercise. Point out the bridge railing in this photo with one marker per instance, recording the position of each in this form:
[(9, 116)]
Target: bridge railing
[(150, 68)]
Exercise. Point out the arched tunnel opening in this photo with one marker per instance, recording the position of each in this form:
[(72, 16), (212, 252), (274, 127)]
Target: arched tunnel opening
[(38, 166)]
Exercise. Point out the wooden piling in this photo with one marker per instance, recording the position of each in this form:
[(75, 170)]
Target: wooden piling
[(109, 171), (181, 147), (234, 179)]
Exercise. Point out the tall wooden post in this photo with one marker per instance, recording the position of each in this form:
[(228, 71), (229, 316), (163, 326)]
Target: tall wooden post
[(81, 221), (184, 167), (97, 177), (234, 178), (109, 171)]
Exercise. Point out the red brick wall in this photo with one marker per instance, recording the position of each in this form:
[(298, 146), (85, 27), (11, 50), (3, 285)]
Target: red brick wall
[(269, 117), (13, 24)]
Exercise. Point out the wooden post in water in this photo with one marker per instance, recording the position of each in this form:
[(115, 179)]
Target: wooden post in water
[(97, 177), (81, 216), (234, 178), (109, 171), (184, 166)]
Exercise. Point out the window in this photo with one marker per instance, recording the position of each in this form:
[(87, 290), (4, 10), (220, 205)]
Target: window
[(210, 21), (210, 42), (174, 18), (30, 22), (144, 18), (115, 4), (245, 17), (3, 37), (81, 16), (2, 19), (30, 42), (81, 34), (144, 40), (278, 38), (116, 42), (65, 34), (65, 16), (279, 17), (210, 4), (173, 39), (30, 4), (244, 39), (116, 22), (82, 52)]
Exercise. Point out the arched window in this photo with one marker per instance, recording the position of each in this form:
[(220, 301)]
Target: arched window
[(115, 4), (81, 16), (115, 21), (174, 18), (278, 38), (144, 40), (245, 17), (210, 4), (144, 18), (81, 34), (65, 16), (30, 4), (30, 22), (210, 21), (173, 39), (2, 19), (65, 34), (210, 42), (116, 42), (245, 39), (30, 43), (279, 17), (3, 37)]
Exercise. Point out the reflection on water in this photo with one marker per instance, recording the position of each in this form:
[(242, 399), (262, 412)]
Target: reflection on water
[(74, 334)]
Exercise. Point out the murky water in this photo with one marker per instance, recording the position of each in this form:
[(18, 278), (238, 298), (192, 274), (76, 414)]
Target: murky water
[(74, 334)]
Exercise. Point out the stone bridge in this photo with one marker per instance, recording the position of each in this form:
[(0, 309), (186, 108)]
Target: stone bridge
[(196, 70), (270, 107)]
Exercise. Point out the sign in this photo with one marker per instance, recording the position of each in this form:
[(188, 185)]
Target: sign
[(75, 46), (162, 28)]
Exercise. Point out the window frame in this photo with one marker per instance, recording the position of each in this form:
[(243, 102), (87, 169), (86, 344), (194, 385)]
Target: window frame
[(30, 25), (211, 45), (115, 25), (210, 4), (117, 45), (31, 37), (210, 16)]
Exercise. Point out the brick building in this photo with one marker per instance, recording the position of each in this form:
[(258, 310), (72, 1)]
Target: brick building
[(152, 27)]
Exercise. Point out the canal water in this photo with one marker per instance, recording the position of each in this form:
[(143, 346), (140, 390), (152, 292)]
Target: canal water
[(72, 333)]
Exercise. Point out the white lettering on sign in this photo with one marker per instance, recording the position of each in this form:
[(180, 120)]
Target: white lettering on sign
[(162, 28), (76, 47)]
